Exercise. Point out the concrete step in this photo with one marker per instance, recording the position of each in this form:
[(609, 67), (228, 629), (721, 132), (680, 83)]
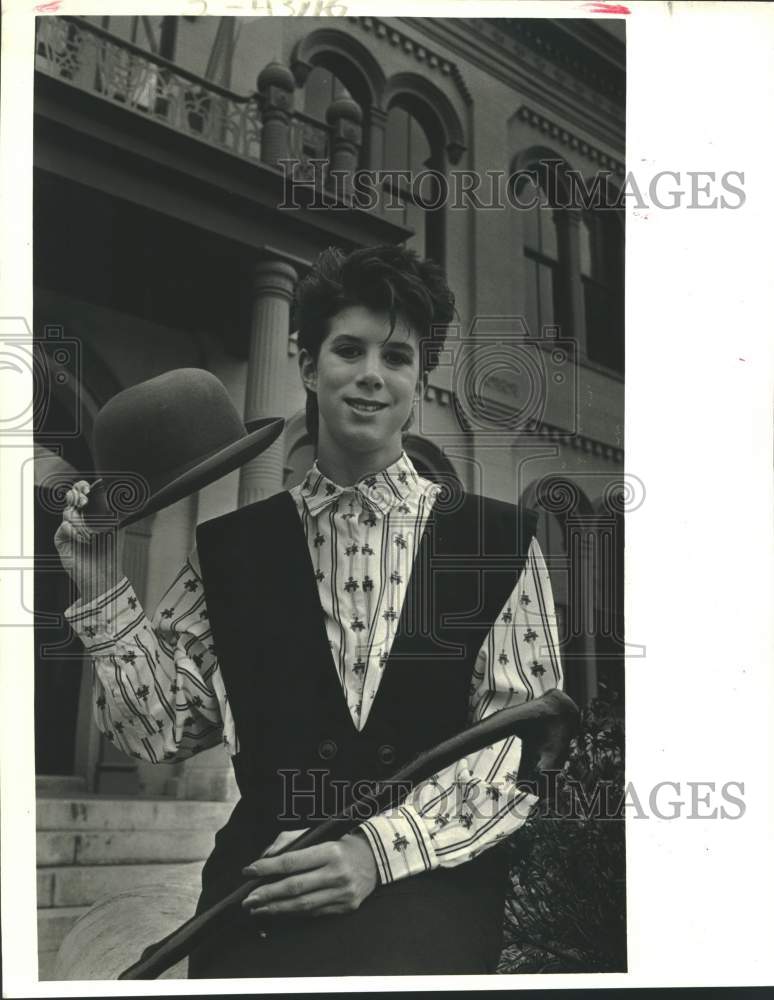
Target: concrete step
[(56, 785), (82, 885), (114, 847), (83, 813)]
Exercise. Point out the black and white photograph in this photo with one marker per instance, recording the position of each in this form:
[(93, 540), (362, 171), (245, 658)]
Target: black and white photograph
[(346, 293), (326, 496)]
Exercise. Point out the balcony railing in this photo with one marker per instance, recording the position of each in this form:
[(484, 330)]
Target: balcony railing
[(88, 57)]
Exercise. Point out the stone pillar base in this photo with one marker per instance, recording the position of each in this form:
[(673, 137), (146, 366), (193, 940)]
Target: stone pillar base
[(208, 777)]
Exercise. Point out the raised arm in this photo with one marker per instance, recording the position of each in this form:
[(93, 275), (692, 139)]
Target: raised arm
[(158, 693)]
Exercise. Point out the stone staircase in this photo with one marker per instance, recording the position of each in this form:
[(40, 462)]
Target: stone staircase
[(89, 847)]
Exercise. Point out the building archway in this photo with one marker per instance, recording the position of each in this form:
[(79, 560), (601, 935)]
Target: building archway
[(354, 67), (539, 191), (433, 110), (68, 745), (608, 572), (563, 509), (346, 58), (602, 274)]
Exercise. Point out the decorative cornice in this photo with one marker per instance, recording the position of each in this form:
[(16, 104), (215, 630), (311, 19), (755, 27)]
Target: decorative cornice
[(421, 53), (531, 75), (557, 435), (555, 41), (580, 442), (558, 132)]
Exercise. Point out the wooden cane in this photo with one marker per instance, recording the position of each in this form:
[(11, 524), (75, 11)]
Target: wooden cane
[(545, 726)]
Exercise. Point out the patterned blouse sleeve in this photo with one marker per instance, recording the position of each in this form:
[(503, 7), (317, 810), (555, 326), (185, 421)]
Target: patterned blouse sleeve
[(158, 691), (473, 804)]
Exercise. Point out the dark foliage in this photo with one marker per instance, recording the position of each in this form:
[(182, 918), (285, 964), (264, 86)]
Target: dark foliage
[(567, 912)]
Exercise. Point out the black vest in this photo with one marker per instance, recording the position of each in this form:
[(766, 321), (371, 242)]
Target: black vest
[(299, 750)]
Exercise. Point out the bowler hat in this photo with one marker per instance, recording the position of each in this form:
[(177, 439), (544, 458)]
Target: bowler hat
[(161, 440)]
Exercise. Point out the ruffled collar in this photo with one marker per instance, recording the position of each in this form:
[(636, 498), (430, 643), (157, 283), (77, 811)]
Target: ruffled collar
[(399, 485)]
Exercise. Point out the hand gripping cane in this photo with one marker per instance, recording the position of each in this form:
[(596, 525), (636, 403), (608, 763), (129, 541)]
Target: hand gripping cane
[(545, 726)]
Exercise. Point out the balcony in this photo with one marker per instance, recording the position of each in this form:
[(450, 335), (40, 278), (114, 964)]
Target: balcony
[(80, 54)]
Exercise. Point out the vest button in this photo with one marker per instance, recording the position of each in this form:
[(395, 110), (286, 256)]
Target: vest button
[(386, 754), (327, 749)]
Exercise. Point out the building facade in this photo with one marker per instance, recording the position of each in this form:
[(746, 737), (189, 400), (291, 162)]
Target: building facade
[(187, 172)]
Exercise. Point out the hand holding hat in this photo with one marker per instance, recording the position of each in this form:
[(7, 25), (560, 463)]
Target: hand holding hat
[(154, 444), (92, 558)]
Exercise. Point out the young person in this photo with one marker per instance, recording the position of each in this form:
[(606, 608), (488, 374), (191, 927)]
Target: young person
[(326, 636)]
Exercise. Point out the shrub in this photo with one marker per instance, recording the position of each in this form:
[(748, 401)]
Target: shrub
[(567, 911)]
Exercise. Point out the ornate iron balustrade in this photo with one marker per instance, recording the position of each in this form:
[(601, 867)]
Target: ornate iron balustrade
[(308, 140), (91, 59)]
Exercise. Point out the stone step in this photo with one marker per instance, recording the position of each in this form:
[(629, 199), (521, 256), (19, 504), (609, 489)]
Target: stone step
[(83, 813), (56, 785), (82, 885), (115, 847)]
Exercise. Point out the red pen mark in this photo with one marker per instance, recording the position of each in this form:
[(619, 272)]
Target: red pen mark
[(48, 8), (600, 7)]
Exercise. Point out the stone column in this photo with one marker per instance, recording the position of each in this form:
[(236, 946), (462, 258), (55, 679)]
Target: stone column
[(568, 222), (583, 552), (345, 120), (275, 86), (273, 285)]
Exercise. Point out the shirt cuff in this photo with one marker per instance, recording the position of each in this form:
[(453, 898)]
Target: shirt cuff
[(400, 843), (106, 618)]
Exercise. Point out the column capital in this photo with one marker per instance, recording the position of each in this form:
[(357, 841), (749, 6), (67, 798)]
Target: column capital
[(274, 277), (276, 87), (344, 108), (377, 116), (345, 119), (276, 84)]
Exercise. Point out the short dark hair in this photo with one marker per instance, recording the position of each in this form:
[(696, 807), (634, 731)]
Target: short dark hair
[(390, 279)]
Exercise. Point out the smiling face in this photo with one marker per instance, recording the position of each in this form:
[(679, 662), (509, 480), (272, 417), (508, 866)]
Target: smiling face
[(366, 382)]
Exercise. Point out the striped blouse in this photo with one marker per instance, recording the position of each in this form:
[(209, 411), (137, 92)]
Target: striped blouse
[(159, 694)]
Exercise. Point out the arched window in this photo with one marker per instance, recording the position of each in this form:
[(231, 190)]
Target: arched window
[(413, 147), (561, 506), (321, 89), (542, 264), (348, 61), (431, 463), (602, 266)]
